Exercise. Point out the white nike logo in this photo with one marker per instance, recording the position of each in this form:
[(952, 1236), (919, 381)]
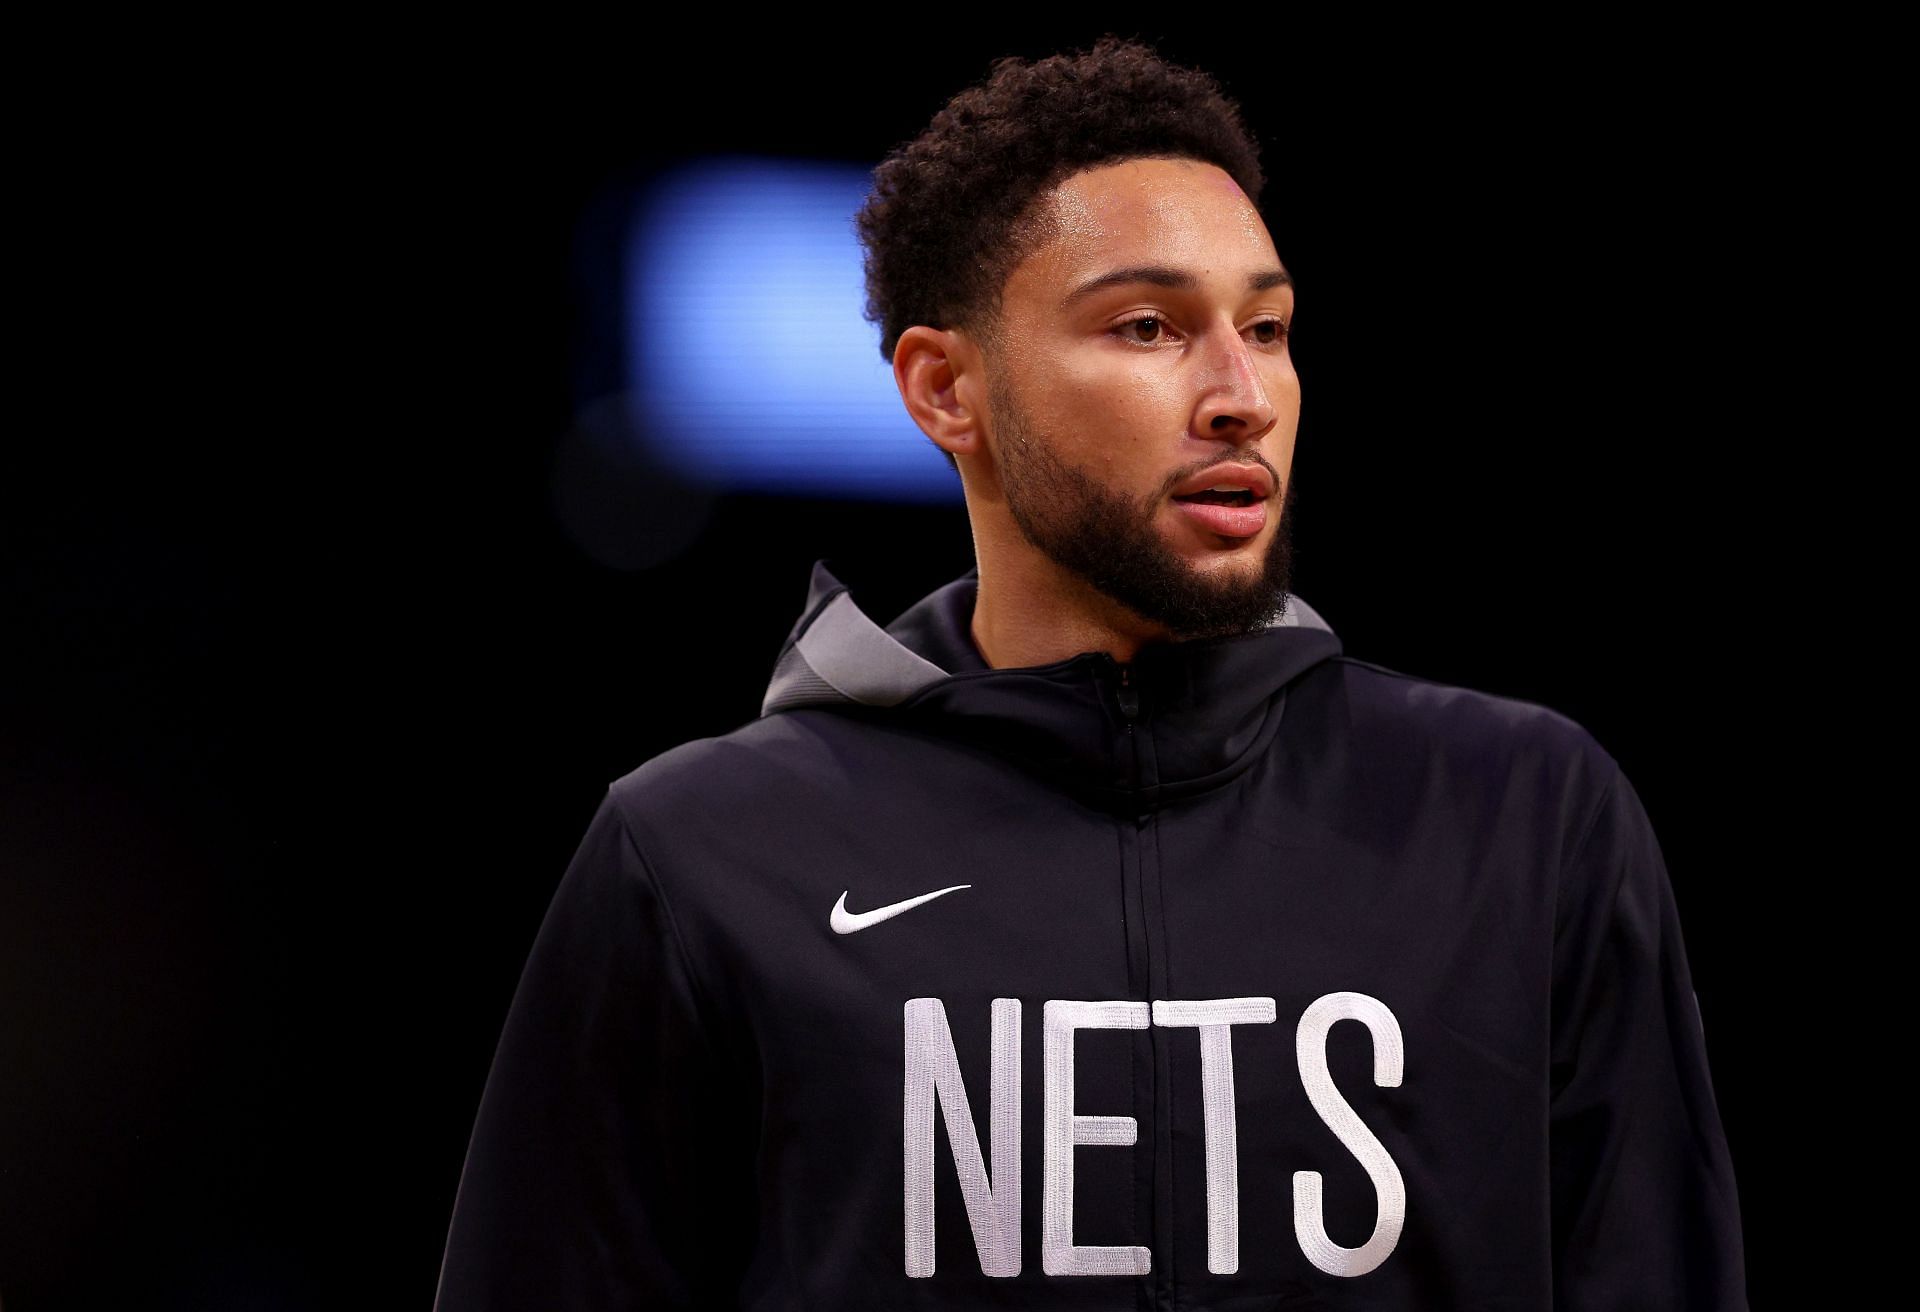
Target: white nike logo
[(849, 922)]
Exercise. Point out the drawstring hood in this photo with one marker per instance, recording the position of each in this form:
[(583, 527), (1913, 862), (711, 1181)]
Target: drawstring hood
[(1182, 717)]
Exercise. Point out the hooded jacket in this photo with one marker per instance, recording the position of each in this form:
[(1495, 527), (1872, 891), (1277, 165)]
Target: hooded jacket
[(1247, 975)]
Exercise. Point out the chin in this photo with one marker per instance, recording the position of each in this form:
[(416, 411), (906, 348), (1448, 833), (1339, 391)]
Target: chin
[(1219, 547)]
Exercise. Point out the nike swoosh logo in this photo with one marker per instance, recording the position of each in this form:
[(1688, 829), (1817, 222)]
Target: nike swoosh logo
[(852, 922)]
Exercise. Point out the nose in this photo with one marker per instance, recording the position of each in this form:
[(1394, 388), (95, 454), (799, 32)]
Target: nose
[(1233, 401)]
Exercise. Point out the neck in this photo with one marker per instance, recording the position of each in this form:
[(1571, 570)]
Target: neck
[(1029, 611)]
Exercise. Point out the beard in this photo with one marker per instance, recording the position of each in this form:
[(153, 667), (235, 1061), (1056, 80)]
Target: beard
[(1112, 543)]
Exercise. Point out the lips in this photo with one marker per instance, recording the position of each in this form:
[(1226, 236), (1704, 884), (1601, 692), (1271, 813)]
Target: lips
[(1230, 500), (1227, 520), (1251, 478)]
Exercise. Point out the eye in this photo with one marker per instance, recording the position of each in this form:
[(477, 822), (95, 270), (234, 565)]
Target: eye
[(1149, 329), (1145, 329), (1274, 330)]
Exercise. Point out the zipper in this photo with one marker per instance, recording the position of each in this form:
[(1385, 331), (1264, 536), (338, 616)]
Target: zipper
[(1129, 696), (1155, 1171)]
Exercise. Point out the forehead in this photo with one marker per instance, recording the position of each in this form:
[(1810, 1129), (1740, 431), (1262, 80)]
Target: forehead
[(1140, 211)]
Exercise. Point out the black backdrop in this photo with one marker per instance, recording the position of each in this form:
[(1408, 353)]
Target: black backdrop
[(309, 694)]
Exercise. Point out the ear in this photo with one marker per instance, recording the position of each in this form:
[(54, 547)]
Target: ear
[(941, 379)]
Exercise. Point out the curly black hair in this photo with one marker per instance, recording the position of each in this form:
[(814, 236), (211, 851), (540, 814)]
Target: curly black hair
[(952, 211)]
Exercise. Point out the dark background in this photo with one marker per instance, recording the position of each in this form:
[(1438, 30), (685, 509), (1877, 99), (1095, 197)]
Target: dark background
[(309, 690)]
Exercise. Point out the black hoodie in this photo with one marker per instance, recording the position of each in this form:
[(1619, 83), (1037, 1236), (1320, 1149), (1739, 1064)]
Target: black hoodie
[(1245, 976)]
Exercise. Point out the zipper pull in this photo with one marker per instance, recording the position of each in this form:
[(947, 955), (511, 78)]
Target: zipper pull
[(1128, 694)]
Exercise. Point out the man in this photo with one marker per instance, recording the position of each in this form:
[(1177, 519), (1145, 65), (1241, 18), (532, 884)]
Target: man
[(1096, 933)]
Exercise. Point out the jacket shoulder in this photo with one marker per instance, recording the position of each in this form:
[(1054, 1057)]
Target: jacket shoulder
[(1392, 712), (713, 773)]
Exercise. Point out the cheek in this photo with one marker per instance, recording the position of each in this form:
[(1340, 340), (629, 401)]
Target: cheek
[(1105, 414), (1127, 407), (1283, 393), (1127, 427)]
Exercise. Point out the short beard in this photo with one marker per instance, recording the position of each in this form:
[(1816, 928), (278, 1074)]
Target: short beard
[(1112, 544)]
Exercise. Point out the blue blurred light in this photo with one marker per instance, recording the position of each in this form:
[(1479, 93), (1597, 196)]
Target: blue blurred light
[(750, 364)]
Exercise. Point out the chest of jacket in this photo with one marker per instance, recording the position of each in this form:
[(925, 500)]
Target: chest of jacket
[(1212, 1048)]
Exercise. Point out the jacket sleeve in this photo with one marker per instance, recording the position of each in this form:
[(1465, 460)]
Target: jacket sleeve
[(1645, 1213), (604, 1169)]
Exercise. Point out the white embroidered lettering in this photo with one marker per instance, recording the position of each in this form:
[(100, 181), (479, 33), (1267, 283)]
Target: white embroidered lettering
[(1310, 1049), (1059, 1255), (1215, 1019), (932, 1067), (932, 1078)]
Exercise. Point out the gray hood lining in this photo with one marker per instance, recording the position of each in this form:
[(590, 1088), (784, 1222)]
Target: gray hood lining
[(842, 655)]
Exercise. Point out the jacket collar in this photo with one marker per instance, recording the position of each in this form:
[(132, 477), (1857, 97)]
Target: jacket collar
[(1205, 708)]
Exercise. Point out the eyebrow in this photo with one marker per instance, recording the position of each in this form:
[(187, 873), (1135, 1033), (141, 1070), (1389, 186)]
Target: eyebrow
[(1161, 275)]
